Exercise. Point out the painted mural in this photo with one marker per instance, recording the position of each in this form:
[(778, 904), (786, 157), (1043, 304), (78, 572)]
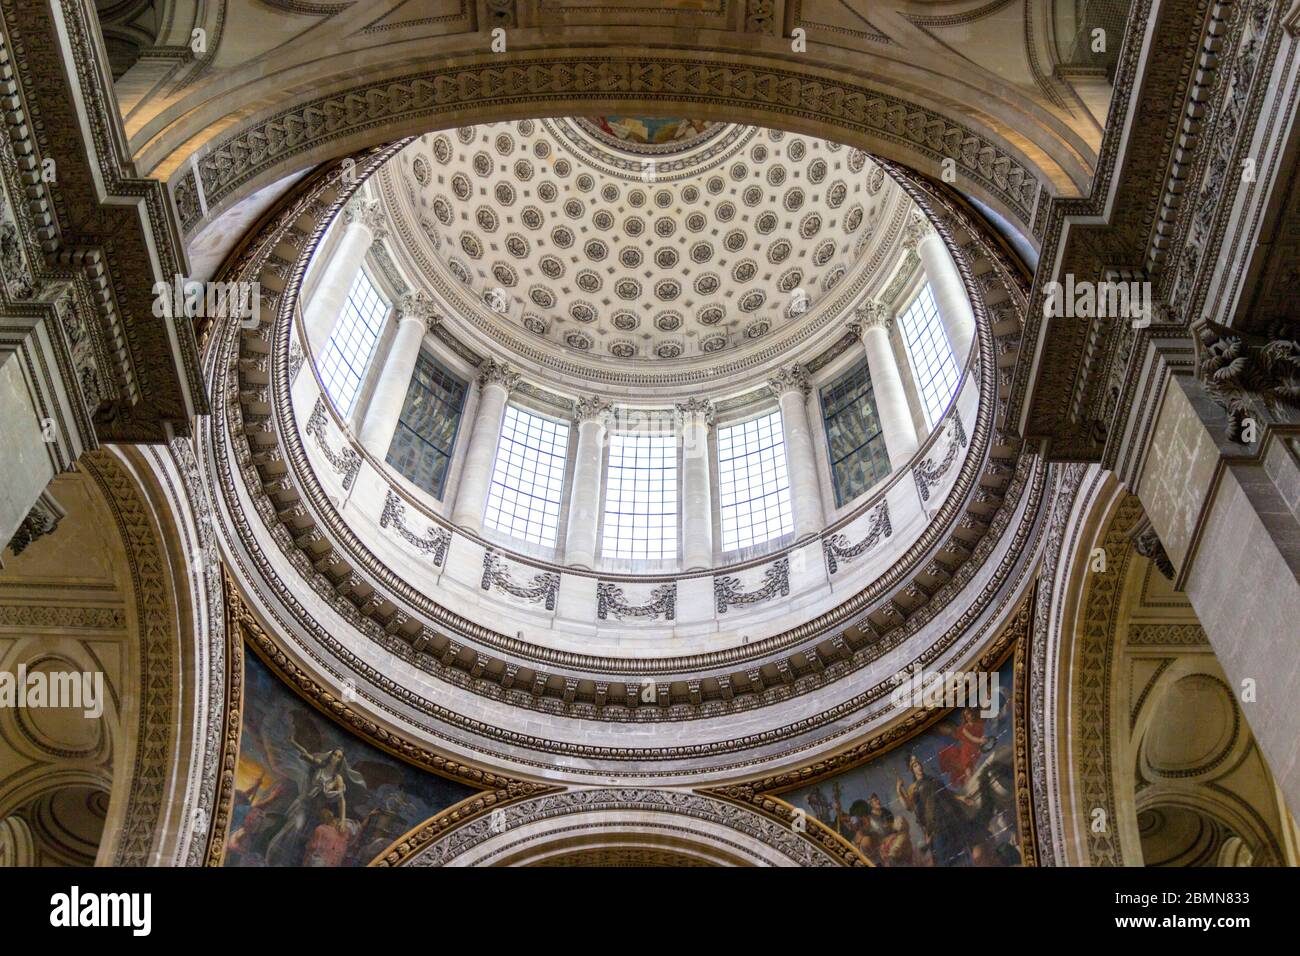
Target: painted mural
[(943, 798), (310, 794)]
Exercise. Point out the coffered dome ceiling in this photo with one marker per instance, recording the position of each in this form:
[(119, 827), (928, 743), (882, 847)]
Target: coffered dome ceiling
[(611, 244)]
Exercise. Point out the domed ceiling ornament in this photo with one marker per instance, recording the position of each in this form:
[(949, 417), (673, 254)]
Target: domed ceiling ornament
[(578, 237)]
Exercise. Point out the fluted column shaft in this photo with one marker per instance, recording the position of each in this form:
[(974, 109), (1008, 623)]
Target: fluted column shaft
[(873, 325), (584, 499), (792, 388), (950, 297), (362, 226), (414, 318), (495, 382), (694, 419)]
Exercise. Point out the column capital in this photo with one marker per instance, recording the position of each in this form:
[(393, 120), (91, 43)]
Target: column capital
[(593, 409), (917, 230), (419, 306), (693, 408), (493, 372), (368, 213), (871, 315), (792, 378)]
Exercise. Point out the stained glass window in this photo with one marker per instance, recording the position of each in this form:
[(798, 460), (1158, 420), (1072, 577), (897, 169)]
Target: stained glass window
[(853, 434), (426, 430)]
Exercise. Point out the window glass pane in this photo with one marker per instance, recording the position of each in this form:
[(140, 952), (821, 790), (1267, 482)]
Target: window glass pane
[(426, 430), (351, 345), (524, 497), (753, 486), (853, 435), (930, 354), (641, 498)]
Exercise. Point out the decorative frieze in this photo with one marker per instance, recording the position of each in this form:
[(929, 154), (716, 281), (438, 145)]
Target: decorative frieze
[(610, 599), (346, 463), (434, 543), (543, 588), (837, 547), (929, 472), (776, 582)]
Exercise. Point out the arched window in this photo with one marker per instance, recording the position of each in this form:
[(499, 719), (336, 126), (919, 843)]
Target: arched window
[(929, 353), (753, 485), (641, 498), (351, 345), (528, 478)]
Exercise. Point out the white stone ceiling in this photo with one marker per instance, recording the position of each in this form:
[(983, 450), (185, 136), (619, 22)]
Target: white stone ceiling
[(644, 253)]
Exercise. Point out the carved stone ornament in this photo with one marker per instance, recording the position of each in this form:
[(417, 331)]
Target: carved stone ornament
[(793, 378), (435, 541), (916, 231), (368, 213), (346, 462), (837, 547), (1147, 543), (776, 582), (1246, 373), (492, 372), (870, 315), (591, 409), (544, 587), (42, 520), (694, 408), (418, 305), (611, 600), (929, 471)]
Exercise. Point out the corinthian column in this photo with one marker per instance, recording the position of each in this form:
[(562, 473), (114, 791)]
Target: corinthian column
[(593, 419), (415, 317), (872, 325), (694, 419), (363, 225), (945, 282), (495, 383), (791, 388)]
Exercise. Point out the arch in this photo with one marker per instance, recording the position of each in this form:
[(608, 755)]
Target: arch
[(154, 637), (253, 110), (1120, 646), (601, 821)]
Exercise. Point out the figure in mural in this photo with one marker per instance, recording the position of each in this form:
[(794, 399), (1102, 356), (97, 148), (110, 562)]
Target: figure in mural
[(946, 800), (322, 786), (310, 794)]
